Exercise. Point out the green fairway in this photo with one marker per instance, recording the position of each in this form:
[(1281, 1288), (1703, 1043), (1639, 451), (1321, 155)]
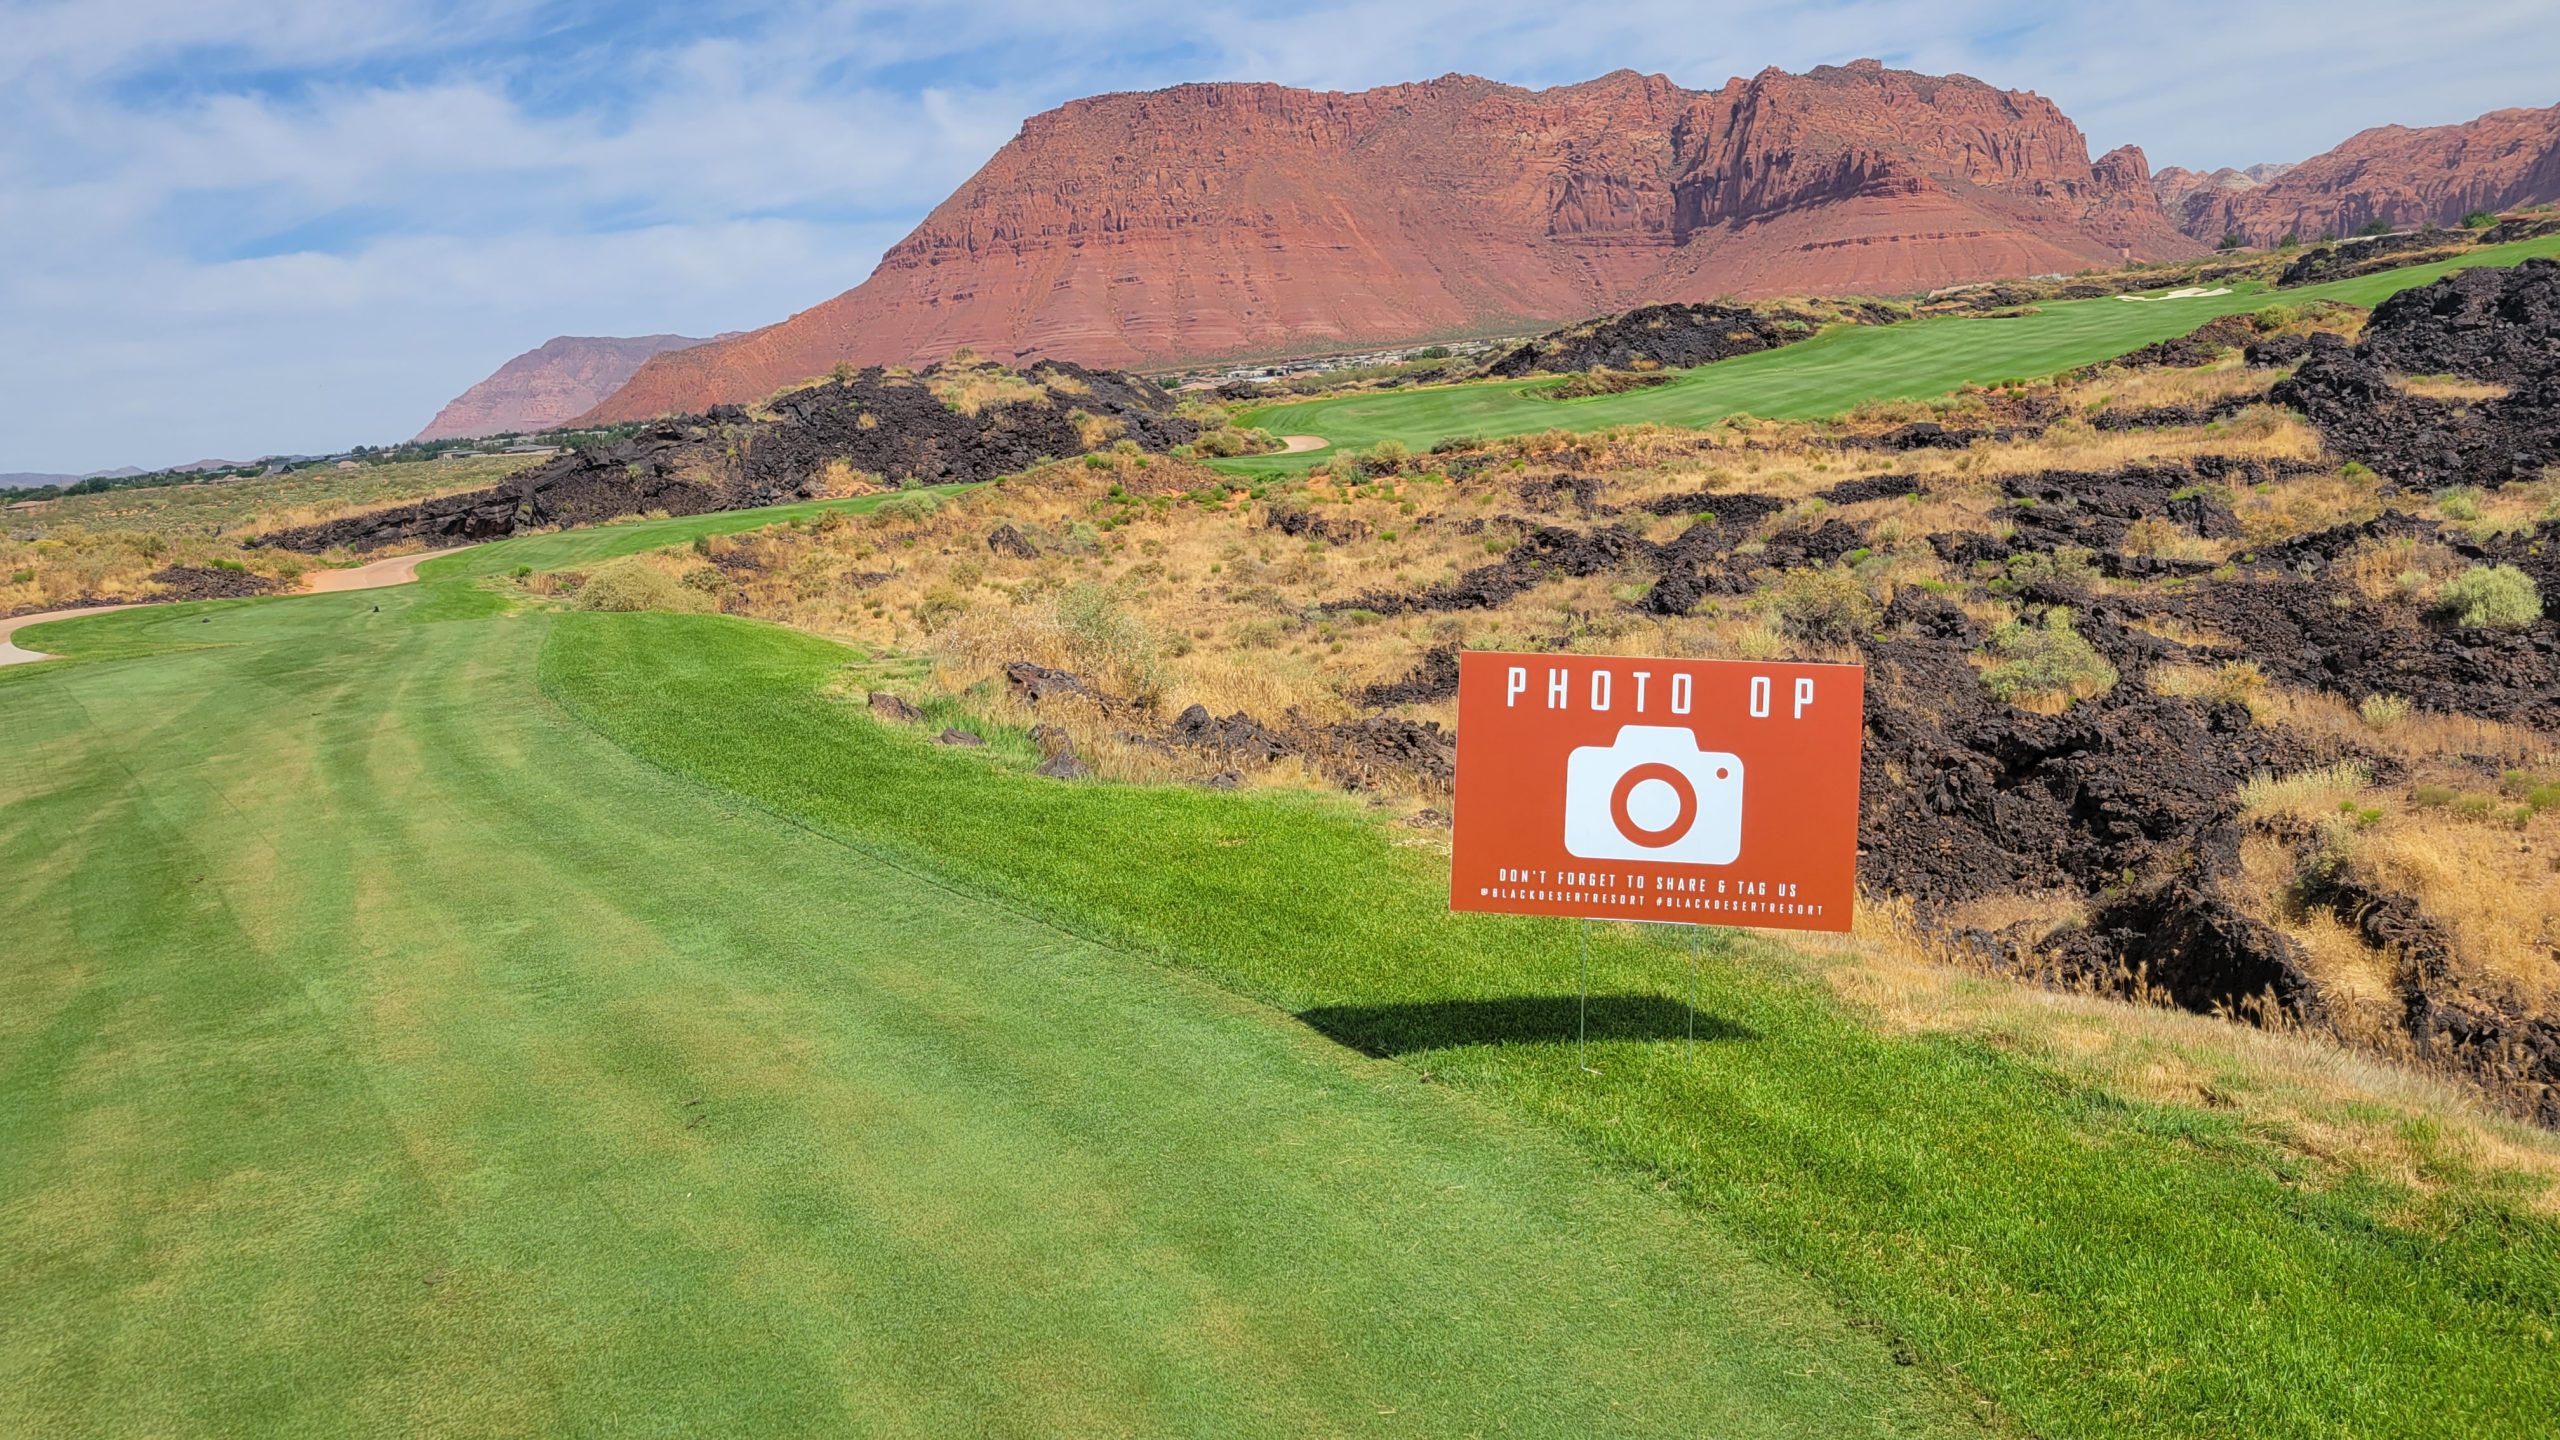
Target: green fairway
[(387, 1052), (566, 549), (2097, 1267), (1844, 366)]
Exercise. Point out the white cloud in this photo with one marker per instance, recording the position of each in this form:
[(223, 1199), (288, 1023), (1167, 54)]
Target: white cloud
[(293, 224)]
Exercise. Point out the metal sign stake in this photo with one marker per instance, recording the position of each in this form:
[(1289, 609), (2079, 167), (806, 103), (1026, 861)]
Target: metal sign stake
[(1690, 1055), (1582, 1015)]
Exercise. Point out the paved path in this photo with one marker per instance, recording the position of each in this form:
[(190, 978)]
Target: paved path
[(398, 570), (10, 654)]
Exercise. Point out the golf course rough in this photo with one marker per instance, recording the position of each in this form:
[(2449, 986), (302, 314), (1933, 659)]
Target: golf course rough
[(1834, 371), (388, 1052)]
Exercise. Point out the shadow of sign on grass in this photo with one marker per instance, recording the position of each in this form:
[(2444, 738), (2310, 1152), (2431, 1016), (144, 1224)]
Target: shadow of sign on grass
[(1411, 1026)]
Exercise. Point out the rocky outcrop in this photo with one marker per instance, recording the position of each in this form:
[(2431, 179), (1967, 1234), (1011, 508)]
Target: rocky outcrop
[(2496, 325), (209, 582), (1208, 220), (2371, 255), (548, 386), (2488, 324), (2401, 177), (1656, 336), (904, 429)]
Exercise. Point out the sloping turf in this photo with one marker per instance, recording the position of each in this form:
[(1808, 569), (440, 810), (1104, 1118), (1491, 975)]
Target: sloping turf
[(1844, 366), (2095, 1266), (383, 1051)]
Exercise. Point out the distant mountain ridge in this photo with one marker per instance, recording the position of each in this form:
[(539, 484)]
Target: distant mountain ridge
[(29, 480), (548, 385), (1212, 220), (2399, 176)]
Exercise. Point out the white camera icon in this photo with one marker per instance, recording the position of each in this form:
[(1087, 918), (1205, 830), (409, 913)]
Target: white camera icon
[(1652, 794)]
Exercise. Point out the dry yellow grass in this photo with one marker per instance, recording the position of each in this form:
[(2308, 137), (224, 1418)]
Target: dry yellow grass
[(72, 566), (2299, 507), (2416, 735), (2342, 1109), (2490, 884), (969, 388), (2454, 388), (838, 478), (2126, 391), (2402, 570), (2508, 510), (2314, 794), (2235, 682)]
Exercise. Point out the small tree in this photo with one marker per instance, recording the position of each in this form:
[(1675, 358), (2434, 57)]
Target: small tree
[(2478, 220), (2231, 240), (2376, 226)]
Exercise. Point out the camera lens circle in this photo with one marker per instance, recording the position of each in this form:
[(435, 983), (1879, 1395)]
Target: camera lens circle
[(1654, 772)]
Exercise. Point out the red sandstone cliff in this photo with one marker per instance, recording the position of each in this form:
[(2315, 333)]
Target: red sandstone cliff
[(547, 386), (2397, 175), (1211, 220), (2190, 197)]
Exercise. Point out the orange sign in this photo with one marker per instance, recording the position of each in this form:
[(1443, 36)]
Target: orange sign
[(1695, 792)]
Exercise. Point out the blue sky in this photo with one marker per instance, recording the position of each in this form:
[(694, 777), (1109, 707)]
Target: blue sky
[(232, 227)]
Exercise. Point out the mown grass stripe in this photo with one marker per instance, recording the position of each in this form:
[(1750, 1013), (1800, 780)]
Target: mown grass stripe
[(399, 1112)]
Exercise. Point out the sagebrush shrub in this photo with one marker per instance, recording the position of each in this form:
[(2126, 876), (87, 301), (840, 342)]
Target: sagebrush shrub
[(634, 584), (907, 509), (2491, 597), (1386, 457), (1824, 607), (1105, 637), (2051, 661), (2384, 711)]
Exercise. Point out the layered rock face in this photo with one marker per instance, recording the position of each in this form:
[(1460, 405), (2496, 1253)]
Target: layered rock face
[(548, 386), (2189, 197), (2396, 175), (1215, 220)]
